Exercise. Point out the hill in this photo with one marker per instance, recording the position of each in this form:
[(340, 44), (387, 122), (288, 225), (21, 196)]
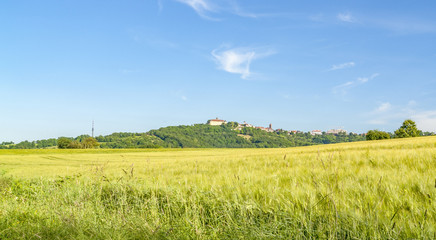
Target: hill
[(224, 136), (200, 136)]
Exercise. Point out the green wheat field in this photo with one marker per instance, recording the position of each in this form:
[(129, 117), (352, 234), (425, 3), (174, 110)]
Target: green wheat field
[(363, 190)]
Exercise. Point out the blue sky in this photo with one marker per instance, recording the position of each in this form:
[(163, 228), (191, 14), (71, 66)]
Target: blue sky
[(138, 65)]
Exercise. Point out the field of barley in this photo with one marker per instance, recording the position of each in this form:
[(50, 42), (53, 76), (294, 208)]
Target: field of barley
[(364, 190)]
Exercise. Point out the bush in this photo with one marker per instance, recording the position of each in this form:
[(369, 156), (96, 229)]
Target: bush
[(377, 135), (64, 142)]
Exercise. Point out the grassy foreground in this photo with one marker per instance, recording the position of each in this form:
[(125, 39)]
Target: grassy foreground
[(364, 190)]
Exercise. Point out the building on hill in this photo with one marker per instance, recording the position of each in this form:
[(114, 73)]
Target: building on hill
[(243, 125), (216, 122), (316, 132), (336, 131), (268, 129)]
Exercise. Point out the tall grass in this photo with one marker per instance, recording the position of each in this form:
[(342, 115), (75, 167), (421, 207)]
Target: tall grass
[(368, 190)]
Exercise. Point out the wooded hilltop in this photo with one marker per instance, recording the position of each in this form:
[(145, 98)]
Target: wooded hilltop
[(194, 136), (227, 135)]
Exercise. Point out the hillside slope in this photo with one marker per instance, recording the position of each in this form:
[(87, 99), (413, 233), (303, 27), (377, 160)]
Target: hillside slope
[(224, 136)]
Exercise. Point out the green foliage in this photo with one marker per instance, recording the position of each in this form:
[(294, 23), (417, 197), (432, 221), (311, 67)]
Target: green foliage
[(194, 136), (86, 142), (64, 142), (224, 136), (24, 145), (90, 142), (428, 134), (75, 145), (46, 143), (408, 129), (130, 140), (232, 124), (377, 135)]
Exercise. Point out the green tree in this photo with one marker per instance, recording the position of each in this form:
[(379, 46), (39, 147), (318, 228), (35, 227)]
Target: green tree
[(377, 135), (64, 142), (408, 129), (232, 125), (90, 142), (75, 145)]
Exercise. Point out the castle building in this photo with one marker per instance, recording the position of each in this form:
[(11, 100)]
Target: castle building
[(316, 132), (216, 122), (336, 131)]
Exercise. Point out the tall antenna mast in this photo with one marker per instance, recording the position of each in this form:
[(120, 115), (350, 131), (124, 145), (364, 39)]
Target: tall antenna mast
[(92, 128)]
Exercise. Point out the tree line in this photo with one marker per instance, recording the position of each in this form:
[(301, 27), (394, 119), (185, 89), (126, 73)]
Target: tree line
[(82, 141), (407, 129), (206, 136), (192, 136)]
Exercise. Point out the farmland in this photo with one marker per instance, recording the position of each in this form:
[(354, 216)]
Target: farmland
[(363, 190)]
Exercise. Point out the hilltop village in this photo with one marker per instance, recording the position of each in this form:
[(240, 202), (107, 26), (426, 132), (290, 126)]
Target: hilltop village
[(218, 122), (217, 133)]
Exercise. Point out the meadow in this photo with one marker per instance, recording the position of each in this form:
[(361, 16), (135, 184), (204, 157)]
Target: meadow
[(363, 190)]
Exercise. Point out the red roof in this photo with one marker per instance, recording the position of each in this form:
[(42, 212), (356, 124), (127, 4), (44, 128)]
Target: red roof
[(217, 120)]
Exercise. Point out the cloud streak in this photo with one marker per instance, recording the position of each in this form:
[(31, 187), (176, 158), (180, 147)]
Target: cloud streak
[(386, 113), (205, 8), (384, 107), (345, 87), (346, 17), (342, 66), (237, 60), (201, 7)]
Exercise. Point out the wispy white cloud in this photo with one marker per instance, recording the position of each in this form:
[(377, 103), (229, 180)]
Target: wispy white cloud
[(206, 8), (366, 79), (345, 87), (201, 7), (347, 84), (238, 60), (374, 75), (383, 107), (342, 66), (386, 113), (234, 8), (346, 17), (184, 98), (362, 79), (235, 61)]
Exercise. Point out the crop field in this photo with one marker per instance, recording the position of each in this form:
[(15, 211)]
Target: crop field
[(364, 190)]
